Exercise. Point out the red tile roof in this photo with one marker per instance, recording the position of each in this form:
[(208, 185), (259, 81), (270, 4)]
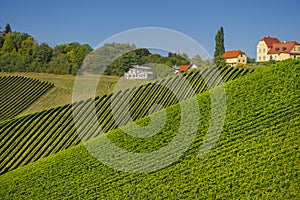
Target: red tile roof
[(183, 68), (232, 54), (270, 41), (282, 47)]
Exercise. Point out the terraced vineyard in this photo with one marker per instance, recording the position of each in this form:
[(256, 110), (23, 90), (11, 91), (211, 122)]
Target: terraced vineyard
[(256, 157), (38, 135), (18, 93)]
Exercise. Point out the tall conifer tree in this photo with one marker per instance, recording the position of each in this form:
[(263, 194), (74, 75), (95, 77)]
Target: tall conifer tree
[(219, 48)]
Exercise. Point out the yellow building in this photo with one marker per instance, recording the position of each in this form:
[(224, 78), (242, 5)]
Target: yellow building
[(269, 48), (234, 57)]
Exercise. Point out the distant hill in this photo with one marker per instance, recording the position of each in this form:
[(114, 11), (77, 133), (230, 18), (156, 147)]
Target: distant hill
[(115, 59), (256, 157)]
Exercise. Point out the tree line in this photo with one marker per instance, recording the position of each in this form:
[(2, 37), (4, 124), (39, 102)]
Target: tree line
[(116, 58), (20, 52)]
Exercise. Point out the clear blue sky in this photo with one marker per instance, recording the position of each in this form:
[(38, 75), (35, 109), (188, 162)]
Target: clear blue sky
[(244, 22)]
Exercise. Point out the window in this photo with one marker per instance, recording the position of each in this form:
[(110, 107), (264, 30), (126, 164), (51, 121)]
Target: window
[(275, 57), (243, 60), (241, 55), (239, 60), (295, 56), (298, 48), (264, 58), (264, 50), (271, 57), (294, 48), (259, 58), (259, 50)]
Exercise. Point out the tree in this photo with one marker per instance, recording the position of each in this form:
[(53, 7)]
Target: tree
[(1, 38), (8, 45), (184, 55), (219, 48), (1, 42), (250, 60), (27, 46), (78, 53), (60, 49), (168, 63), (7, 29), (197, 60), (21, 52), (59, 64), (17, 39), (69, 56), (161, 70), (43, 54), (177, 59)]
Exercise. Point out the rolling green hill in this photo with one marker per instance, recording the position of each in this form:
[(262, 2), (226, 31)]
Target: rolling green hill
[(31, 137), (18, 93), (61, 94), (256, 157)]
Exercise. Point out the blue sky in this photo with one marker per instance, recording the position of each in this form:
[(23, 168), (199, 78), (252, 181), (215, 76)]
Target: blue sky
[(244, 22)]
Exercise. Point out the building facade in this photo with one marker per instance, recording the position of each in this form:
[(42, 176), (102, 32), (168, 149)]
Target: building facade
[(269, 48), (139, 72), (235, 57)]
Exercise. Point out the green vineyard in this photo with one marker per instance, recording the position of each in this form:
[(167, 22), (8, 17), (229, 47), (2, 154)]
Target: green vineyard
[(18, 93), (256, 156), (29, 138)]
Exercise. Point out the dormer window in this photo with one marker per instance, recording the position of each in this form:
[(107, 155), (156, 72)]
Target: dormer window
[(283, 48), (276, 49)]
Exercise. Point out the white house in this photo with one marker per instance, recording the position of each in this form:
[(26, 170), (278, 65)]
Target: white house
[(139, 72)]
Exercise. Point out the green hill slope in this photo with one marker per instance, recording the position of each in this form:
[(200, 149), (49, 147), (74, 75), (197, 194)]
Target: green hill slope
[(61, 94), (29, 138), (18, 93), (256, 157)]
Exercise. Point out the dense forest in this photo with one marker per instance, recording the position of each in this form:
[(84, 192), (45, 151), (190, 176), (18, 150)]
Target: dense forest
[(21, 52)]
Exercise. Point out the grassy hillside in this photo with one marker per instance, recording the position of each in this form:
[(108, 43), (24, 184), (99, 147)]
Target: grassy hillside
[(256, 157), (38, 135), (18, 93), (61, 94)]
